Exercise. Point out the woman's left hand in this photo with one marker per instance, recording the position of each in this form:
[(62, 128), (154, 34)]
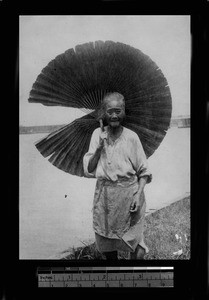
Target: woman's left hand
[(136, 202)]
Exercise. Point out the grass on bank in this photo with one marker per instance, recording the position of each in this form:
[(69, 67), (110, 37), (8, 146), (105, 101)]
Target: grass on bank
[(167, 235)]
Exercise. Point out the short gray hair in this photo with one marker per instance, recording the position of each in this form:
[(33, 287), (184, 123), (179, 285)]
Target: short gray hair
[(116, 95)]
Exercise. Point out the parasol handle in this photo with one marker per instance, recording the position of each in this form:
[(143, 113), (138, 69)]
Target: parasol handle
[(101, 124), (102, 129)]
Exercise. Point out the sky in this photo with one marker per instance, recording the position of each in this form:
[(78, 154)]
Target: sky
[(166, 39)]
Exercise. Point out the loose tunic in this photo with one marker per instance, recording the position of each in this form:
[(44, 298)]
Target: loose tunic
[(117, 172)]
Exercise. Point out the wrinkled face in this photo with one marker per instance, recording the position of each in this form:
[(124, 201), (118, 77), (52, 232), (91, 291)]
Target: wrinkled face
[(114, 112)]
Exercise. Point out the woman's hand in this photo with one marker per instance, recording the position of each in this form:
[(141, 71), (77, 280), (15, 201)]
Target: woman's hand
[(137, 202), (102, 138), (96, 156)]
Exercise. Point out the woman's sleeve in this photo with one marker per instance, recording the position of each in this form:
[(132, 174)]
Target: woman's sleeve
[(92, 148), (139, 160)]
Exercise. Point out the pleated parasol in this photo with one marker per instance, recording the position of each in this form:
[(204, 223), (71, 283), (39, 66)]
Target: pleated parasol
[(80, 78)]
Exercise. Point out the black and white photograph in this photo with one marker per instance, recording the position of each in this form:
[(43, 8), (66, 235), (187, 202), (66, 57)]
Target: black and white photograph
[(104, 137)]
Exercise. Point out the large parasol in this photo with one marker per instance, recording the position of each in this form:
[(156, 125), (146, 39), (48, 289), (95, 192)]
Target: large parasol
[(81, 78)]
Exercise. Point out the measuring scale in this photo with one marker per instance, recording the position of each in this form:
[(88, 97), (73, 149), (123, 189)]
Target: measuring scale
[(105, 277)]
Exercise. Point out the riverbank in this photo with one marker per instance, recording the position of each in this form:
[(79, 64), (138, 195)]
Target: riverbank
[(55, 208), (167, 235)]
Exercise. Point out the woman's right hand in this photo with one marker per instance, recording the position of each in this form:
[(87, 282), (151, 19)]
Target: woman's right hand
[(102, 139)]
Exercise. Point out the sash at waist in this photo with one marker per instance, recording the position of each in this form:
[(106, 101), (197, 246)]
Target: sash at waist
[(123, 181)]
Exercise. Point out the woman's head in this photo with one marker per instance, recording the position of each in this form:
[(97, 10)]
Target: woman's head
[(113, 109)]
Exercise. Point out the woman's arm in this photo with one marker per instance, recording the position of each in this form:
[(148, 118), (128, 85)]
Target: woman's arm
[(137, 201), (142, 182), (139, 160), (96, 156), (94, 160)]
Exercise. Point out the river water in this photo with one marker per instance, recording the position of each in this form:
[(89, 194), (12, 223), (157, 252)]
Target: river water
[(55, 207)]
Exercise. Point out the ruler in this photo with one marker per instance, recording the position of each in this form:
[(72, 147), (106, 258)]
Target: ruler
[(106, 277)]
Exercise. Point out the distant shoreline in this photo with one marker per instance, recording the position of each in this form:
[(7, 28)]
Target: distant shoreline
[(180, 122)]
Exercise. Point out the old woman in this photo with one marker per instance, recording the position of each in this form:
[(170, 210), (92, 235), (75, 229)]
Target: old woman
[(117, 159)]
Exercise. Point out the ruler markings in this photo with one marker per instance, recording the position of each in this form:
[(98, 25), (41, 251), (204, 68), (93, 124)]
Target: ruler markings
[(101, 277), (105, 276)]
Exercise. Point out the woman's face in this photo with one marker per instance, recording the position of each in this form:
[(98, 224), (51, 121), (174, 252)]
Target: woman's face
[(114, 112)]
